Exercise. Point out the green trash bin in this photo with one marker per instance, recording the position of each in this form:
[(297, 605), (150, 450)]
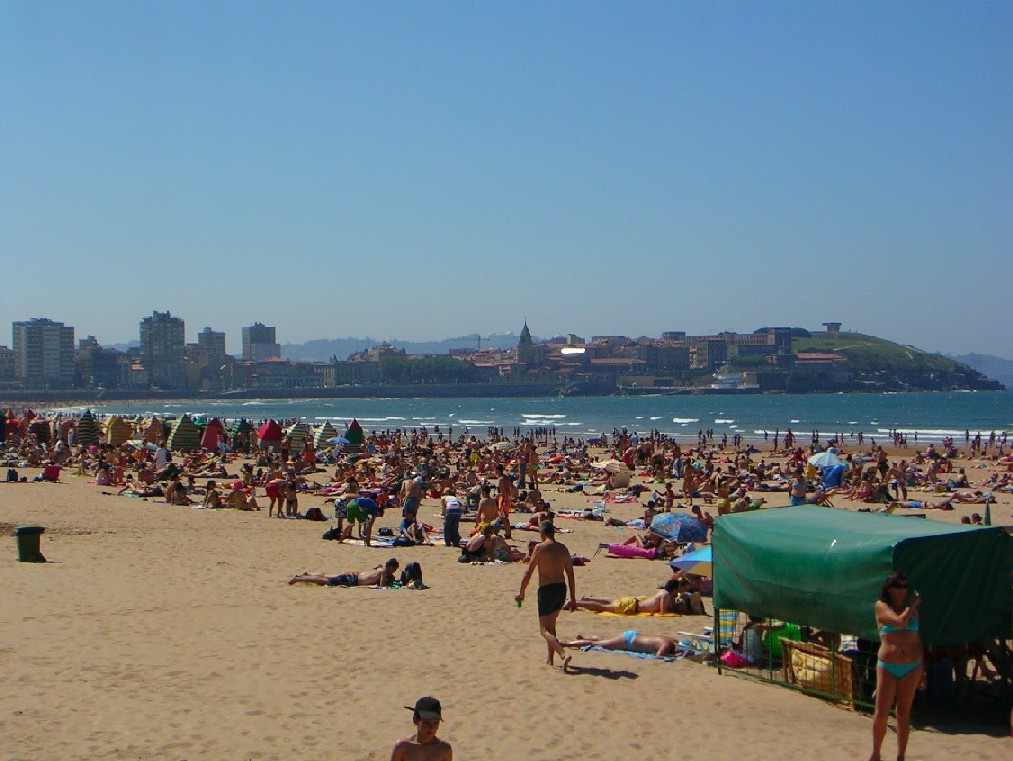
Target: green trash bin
[(29, 538)]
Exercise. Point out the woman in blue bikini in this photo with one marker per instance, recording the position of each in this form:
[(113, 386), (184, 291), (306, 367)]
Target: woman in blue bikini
[(899, 669)]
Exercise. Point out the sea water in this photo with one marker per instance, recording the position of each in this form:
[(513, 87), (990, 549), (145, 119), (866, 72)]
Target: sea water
[(924, 416)]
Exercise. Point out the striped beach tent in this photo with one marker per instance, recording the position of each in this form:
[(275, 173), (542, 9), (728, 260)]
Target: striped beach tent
[(322, 433), (240, 427), (298, 434), (185, 436), (41, 429), (118, 430), (87, 429)]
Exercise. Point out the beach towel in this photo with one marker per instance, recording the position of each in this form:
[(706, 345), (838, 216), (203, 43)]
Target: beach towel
[(632, 615)]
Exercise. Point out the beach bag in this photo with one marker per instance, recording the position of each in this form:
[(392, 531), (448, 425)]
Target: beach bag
[(314, 514), (733, 660), (411, 573), (12, 475), (331, 534)]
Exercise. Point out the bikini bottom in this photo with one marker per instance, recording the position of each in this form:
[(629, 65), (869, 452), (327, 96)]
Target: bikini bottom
[(899, 670)]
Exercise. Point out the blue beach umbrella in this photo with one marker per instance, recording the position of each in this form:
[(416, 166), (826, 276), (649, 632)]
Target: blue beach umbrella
[(680, 527), (700, 562), (337, 440)]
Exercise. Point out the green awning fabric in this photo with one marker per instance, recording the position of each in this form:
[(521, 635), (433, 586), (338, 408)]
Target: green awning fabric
[(822, 567)]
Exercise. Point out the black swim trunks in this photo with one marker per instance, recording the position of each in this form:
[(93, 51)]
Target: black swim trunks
[(344, 580), (551, 598)]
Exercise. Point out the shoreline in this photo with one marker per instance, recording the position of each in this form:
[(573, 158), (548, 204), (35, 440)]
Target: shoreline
[(78, 397)]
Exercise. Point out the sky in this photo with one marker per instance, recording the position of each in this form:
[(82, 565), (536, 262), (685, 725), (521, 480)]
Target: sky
[(421, 170)]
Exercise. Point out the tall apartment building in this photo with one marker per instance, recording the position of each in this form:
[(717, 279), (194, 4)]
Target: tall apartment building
[(162, 347), (211, 343), (43, 353), (259, 342)]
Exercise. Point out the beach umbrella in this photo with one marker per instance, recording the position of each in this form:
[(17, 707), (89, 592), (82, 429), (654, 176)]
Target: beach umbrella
[(826, 459), (680, 527), (338, 440), (699, 562), (501, 445), (612, 466)]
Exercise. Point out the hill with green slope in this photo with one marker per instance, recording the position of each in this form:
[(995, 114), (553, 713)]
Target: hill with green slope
[(877, 363)]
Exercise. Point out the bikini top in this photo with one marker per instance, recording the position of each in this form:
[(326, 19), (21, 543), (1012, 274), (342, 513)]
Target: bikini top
[(911, 626)]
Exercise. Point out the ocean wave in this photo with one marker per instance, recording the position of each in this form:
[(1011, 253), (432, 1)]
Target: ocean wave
[(463, 421), (940, 432), (722, 421), (541, 416), (685, 420)]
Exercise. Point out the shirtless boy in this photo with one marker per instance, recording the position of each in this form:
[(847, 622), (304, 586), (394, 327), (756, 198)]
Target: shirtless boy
[(382, 575), (552, 560), (424, 745)]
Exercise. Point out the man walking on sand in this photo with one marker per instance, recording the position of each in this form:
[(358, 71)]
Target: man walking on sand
[(552, 560)]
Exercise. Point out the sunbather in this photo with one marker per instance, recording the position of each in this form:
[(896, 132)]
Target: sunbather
[(664, 601), (631, 641), (382, 575)]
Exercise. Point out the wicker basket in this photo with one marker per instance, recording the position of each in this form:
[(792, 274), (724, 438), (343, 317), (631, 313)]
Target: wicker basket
[(818, 670)]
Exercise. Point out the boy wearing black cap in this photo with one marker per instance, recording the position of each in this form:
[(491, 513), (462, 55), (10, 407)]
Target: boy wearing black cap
[(424, 745)]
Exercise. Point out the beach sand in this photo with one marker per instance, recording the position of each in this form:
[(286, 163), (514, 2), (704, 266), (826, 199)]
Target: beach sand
[(160, 632)]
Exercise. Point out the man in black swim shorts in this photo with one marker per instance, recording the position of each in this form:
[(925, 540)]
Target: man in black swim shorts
[(552, 560), (382, 575)]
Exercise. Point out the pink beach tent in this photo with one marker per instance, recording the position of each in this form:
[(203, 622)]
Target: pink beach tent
[(270, 431), (209, 440)]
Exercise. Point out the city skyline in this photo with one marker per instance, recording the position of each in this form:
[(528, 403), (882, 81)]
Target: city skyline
[(417, 172)]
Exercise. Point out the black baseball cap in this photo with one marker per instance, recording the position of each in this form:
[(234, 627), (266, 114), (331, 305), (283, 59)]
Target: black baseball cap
[(427, 708)]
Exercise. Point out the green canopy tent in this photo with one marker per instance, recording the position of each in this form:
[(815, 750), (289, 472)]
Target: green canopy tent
[(823, 567)]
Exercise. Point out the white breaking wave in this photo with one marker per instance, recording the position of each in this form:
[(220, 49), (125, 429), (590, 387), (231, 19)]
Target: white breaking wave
[(685, 420)]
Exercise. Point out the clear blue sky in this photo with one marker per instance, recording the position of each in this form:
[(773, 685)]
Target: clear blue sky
[(425, 169)]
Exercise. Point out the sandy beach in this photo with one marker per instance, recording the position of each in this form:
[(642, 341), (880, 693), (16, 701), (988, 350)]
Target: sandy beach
[(164, 632)]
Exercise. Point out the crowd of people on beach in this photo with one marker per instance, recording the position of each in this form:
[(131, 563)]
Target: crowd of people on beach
[(489, 488)]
